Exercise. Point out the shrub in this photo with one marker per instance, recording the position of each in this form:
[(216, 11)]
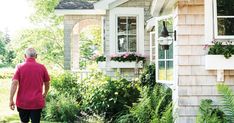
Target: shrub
[(62, 109), (100, 59), (209, 114), (111, 97), (219, 49)]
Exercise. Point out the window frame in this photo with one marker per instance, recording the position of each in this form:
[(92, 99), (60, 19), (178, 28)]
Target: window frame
[(116, 30), (126, 11), (157, 60), (216, 36)]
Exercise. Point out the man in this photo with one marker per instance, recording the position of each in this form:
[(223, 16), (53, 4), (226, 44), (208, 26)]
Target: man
[(29, 78)]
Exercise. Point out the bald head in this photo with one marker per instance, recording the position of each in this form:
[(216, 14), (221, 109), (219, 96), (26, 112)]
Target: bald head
[(30, 53)]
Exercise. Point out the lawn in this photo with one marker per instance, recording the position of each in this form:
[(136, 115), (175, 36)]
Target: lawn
[(4, 100)]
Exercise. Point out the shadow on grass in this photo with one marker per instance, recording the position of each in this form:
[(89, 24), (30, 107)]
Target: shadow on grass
[(15, 119)]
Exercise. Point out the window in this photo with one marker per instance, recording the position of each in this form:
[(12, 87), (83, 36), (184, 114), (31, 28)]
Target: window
[(127, 33), (126, 29), (164, 62), (224, 18)]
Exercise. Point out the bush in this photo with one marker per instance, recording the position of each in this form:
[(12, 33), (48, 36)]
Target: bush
[(6, 73), (111, 97), (63, 109)]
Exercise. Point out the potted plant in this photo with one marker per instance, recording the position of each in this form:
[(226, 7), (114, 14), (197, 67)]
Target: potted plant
[(220, 56), (127, 60), (101, 60)]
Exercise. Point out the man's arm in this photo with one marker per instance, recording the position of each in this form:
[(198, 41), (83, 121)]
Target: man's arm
[(14, 86), (46, 88)]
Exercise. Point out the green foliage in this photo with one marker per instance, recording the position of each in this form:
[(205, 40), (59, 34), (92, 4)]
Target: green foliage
[(90, 44), (128, 57), (155, 106), (100, 59), (219, 49), (210, 114), (111, 97), (147, 78), (62, 109), (227, 101)]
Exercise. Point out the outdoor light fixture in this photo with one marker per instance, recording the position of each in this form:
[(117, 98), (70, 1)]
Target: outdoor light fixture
[(165, 39)]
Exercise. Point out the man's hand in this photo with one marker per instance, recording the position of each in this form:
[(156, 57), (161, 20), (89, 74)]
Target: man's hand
[(12, 105)]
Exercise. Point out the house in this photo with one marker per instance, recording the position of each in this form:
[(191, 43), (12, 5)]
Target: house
[(136, 26)]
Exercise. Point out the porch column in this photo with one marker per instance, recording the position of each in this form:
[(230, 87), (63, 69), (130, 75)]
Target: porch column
[(67, 43)]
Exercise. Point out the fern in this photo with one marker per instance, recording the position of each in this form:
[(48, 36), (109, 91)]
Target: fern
[(227, 101)]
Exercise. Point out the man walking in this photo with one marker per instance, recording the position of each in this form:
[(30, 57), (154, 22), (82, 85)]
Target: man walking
[(29, 78)]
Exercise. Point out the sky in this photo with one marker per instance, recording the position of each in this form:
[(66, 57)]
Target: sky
[(14, 15)]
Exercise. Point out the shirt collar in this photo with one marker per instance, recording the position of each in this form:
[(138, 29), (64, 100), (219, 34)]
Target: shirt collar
[(30, 60)]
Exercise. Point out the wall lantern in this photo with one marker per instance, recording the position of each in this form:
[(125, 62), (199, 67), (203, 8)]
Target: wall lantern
[(165, 39)]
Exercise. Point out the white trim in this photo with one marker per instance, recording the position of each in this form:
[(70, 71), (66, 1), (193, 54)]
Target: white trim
[(103, 4), (62, 12), (171, 82), (116, 3), (126, 11), (151, 45), (150, 23), (162, 7), (209, 21)]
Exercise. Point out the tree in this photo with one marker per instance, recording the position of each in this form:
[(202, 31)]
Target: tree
[(46, 36)]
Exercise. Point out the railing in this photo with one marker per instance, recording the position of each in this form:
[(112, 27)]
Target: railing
[(81, 74)]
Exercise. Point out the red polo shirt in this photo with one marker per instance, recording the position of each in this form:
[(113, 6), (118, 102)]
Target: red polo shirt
[(31, 76)]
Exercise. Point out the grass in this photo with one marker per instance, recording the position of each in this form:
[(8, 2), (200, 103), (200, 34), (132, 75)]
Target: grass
[(4, 100)]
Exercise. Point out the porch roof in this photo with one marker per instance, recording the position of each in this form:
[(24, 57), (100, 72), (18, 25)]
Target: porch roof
[(74, 4)]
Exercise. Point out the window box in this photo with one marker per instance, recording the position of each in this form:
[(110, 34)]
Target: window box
[(219, 62), (133, 64), (102, 65)]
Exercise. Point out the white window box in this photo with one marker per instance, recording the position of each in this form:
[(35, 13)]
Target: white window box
[(102, 65), (133, 64), (219, 63)]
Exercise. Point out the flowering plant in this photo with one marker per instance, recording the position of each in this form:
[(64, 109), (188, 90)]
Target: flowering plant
[(128, 57), (219, 49)]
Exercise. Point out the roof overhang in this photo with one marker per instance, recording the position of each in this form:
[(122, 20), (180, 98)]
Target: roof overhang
[(62, 12), (162, 7), (108, 4)]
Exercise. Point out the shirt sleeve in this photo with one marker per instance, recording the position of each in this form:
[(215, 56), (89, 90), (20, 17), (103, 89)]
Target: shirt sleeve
[(46, 77), (16, 75)]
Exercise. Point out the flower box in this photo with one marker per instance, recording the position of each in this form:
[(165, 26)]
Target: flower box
[(126, 64), (219, 62), (102, 65)]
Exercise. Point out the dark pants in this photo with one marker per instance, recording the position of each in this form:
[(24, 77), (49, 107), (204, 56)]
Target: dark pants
[(25, 115)]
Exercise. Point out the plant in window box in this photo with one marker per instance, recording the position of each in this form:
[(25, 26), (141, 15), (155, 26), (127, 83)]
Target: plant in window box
[(220, 57), (127, 60), (101, 60)]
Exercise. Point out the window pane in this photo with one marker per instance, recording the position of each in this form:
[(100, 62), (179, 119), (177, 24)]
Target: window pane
[(161, 52), (169, 70), (225, 26), (132, 25), (132, 43), (122, 43), (225, 7), (169, 52), (161, 70), (122, 24)]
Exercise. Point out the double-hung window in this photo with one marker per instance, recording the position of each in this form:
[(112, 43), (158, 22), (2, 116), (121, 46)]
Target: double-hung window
[(224, 18), (219, 20), (127, 33), (126, 30)]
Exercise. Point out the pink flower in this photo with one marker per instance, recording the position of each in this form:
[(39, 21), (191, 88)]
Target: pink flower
[(205, 47)]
